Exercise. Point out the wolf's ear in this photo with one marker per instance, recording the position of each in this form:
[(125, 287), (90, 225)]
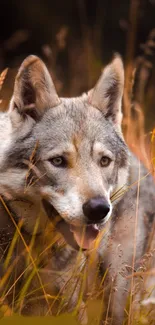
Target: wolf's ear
[(107, 95), (34, 91)]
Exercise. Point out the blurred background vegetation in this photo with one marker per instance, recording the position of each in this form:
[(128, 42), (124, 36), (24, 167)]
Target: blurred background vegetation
[(77, 38)]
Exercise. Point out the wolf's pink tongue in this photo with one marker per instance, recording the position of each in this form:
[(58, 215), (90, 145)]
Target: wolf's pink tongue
[(85, 238)]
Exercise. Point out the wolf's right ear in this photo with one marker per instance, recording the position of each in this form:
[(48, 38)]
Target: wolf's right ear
[(34, 91), (108, 92)]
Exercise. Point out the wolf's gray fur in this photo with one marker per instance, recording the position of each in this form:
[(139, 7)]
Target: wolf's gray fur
[(38, 128)]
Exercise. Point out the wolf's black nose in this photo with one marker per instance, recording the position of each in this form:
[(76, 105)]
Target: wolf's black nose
[(96, 209)]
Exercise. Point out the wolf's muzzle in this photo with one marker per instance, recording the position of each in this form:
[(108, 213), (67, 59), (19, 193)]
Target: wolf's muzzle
[(96, 209)]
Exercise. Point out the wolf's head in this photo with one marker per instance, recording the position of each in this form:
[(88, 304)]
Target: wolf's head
[(72, 149)]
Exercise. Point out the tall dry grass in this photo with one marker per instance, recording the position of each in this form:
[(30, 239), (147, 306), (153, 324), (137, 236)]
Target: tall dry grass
[(82, 76)]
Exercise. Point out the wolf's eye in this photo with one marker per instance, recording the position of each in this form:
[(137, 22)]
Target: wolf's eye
[(105, 161), (58, 161)]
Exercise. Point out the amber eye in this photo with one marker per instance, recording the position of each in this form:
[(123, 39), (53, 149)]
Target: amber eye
[(105, 161), (58, 161)]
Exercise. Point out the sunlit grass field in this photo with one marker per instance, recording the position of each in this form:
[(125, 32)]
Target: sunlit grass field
[(140, 310)]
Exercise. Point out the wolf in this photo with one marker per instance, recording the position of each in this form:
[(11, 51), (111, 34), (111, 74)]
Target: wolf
[(67, 173)]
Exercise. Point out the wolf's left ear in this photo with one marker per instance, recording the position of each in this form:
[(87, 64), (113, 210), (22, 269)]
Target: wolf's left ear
[(34, 91), (107, 95)]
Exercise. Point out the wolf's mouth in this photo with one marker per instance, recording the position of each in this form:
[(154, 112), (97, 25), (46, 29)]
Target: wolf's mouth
[(77, 237), (85, 236)]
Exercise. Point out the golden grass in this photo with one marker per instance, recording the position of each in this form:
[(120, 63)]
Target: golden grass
[(134, 133)]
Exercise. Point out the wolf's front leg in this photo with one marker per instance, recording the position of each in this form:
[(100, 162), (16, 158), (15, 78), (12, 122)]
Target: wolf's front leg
[(115, 300), (116, 261), (115, 294)]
